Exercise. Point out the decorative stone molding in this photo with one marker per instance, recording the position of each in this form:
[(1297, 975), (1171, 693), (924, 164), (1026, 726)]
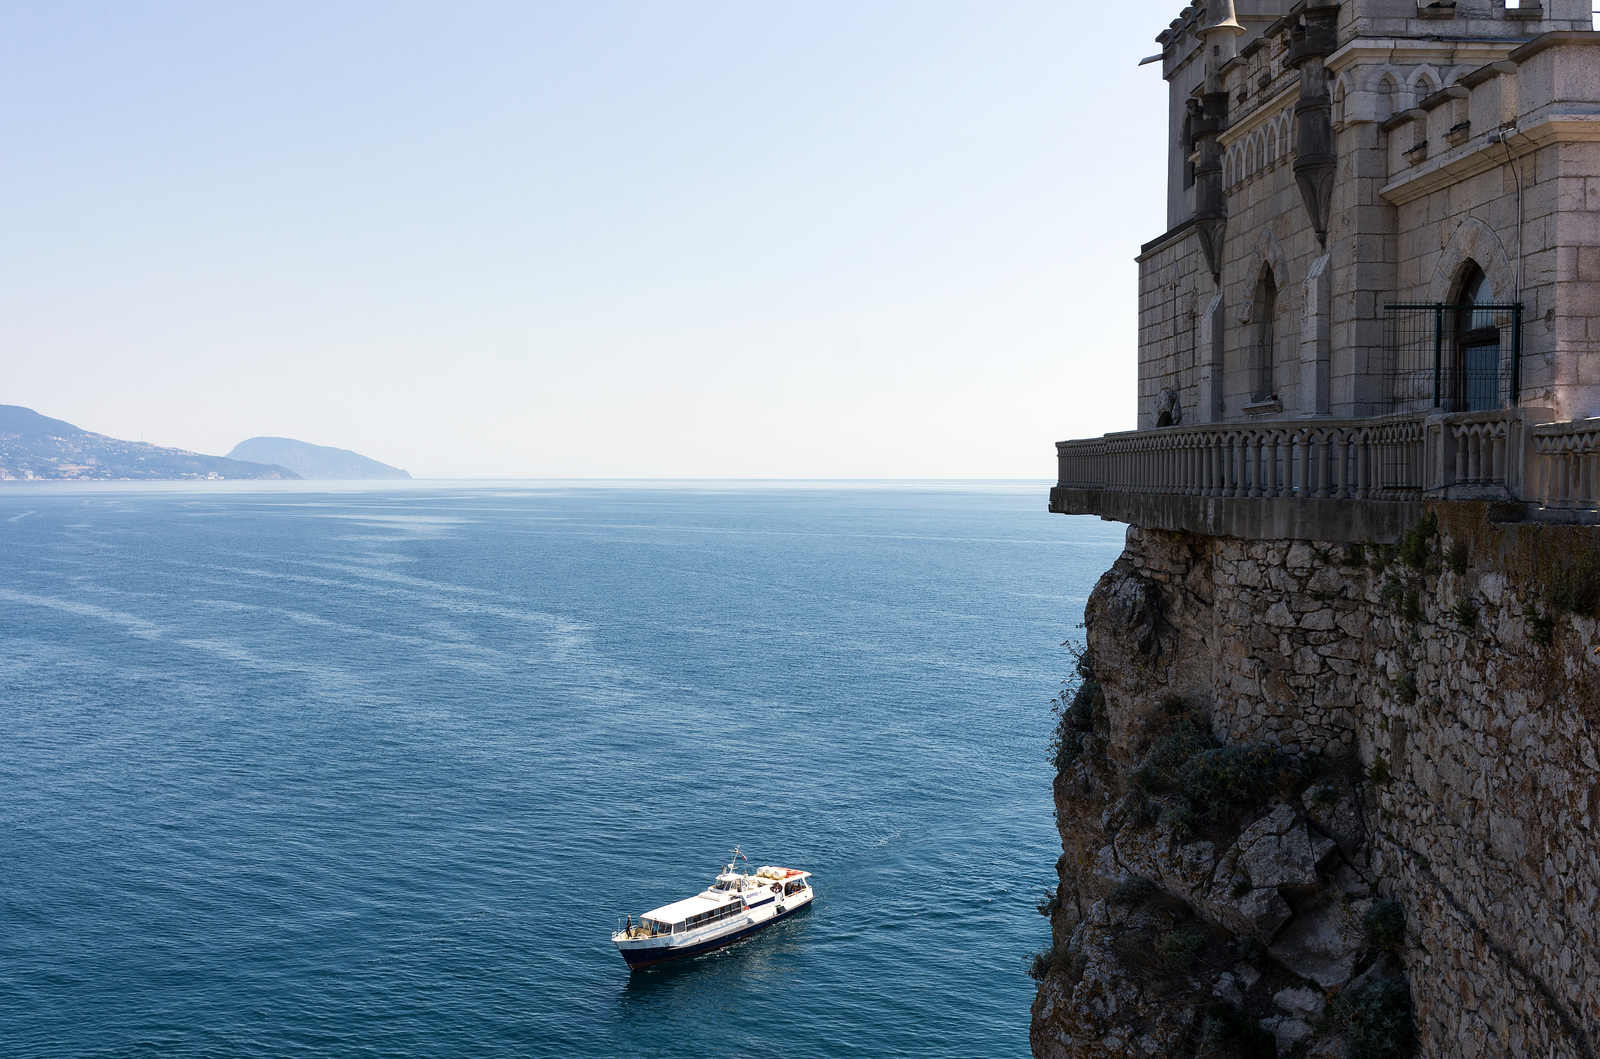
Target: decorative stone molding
[(1268, 252), (1316, 160), (1208, 351), (1316, 334), (1475, 241)]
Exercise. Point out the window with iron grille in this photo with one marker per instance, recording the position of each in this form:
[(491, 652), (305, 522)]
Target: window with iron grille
[(1465, 357)]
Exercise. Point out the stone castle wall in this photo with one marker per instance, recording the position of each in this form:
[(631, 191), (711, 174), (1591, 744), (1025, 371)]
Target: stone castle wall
[(1473, 711), (1452, 152)]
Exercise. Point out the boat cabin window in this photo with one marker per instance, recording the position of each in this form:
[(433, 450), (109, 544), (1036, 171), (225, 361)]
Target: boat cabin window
[(715, 915)]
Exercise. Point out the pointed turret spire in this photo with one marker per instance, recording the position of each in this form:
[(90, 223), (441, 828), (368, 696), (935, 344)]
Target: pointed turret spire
[(1221, 18)]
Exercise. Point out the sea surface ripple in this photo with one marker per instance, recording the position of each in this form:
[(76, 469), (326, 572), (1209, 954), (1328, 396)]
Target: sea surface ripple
[(308, 771)]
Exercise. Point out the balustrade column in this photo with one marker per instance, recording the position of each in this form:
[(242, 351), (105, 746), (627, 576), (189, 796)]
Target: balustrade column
[(1276, 484), (1322, 450), (1303, 440)]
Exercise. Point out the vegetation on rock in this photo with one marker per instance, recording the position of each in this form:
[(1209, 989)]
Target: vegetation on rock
[(1381, 1026), (1385, 924), (1577, 588), (1075, 710), (1229, 780), (1416, 547), (1229, 1032), (1135, 890)]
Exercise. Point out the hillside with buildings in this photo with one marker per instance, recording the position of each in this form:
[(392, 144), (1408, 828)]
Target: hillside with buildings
[(1327, 780), (37, 448)]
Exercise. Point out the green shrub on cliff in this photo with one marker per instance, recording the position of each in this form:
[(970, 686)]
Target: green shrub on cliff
[(1405, 689), (1385, 925), (1416, 547), (1075, 717), (1039, 964), (1577, 588), (1380, 1027), (1180, 951), (1411, 611), (1135, 890), (1232, 779), (1230, 1033), (1185, 738), (1542, 631), (1391, 591)]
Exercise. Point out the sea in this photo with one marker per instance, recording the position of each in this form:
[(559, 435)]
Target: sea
[(299, 769)]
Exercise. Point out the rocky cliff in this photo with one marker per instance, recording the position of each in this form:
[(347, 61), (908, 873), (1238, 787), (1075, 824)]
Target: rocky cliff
[(1325, 800)]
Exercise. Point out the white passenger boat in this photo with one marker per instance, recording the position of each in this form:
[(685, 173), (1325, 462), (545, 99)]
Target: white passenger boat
[(735, 906)]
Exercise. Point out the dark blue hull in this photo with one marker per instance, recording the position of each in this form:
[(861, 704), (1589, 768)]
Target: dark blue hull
[(638, 959)]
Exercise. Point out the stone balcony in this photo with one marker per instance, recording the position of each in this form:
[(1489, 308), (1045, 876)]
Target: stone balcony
[(1346, 480)]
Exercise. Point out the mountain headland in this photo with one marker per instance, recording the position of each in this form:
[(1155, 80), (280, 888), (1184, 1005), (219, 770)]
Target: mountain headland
[(313, 461), (37, 448)]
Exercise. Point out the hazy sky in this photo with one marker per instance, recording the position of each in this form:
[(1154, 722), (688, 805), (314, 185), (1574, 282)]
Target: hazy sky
[(583, 239)]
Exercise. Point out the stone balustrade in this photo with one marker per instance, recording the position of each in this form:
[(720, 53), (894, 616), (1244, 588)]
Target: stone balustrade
[(1568, 464), (1380, 459), (1176, 477)]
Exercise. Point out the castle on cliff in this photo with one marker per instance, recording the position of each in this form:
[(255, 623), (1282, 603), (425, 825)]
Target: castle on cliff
[(1381, 275), (1328, 782)]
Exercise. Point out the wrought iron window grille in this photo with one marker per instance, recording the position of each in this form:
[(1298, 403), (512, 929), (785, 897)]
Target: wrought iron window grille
[(1455, 358)]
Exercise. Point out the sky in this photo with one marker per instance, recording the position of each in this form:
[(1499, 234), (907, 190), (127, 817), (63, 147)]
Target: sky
[(586, 239)]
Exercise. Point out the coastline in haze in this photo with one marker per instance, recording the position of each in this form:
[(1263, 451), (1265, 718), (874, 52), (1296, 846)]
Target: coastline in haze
[(314, 461)]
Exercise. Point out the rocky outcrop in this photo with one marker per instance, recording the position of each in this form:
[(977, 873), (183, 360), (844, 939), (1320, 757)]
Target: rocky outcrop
[(1290, 745)]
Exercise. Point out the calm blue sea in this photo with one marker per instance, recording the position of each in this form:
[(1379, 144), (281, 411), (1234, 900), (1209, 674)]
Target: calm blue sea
[(289, 771)]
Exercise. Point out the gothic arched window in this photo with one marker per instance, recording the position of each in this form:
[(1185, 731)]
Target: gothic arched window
[(1477, 344), (1265, 340)]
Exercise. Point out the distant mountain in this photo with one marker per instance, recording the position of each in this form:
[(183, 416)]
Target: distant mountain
[(36, 447), (313, 461)]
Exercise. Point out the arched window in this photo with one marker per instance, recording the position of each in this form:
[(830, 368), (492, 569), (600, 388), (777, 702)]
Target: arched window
[(1477, 353), (1265, 340)]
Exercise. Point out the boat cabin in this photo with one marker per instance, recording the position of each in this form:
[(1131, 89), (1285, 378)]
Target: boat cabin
[(692, 913)]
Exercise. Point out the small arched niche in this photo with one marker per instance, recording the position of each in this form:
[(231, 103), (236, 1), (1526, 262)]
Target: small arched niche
[(1388, 98)]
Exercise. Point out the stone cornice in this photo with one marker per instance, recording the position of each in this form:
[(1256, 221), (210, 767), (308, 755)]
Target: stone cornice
[(1408, 51), (1582, 38), (1259, 115), (1161, 242), (1480, 156)]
